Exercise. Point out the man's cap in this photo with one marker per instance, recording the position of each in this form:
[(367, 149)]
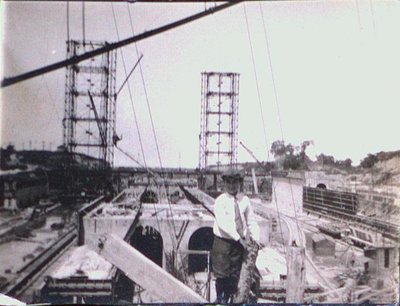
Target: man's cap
[(233, 174)]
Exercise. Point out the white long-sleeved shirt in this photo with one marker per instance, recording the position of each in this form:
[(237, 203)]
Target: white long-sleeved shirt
[(224, 224)]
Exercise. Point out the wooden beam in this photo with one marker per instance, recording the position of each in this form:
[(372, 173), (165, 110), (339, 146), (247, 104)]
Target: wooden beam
[(158, 282), (112, 46), (295, 274)]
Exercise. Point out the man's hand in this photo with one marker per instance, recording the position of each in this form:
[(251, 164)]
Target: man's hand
[(243, 242), (254, 242)]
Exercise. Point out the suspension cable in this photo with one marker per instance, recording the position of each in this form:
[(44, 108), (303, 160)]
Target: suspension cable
[(145, 92), (130, 91), (272, 70), (279, 220), (256, 78), (295, 212), (151, 117), (122, 55)]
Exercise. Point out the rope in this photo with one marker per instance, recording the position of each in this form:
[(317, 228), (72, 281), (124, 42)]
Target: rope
[(150, 115), (145, 92), (272, 70), (280, 223), (130, 91), (295, 212), (256, 78)]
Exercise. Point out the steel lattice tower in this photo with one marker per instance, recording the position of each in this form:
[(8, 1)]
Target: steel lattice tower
[(219, 119), (90, 103)]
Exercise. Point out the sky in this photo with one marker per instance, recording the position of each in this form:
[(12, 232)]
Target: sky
[(326, 71)]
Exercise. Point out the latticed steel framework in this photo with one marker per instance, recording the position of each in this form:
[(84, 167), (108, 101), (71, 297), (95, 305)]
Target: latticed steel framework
[(90, 98), (219, 119)]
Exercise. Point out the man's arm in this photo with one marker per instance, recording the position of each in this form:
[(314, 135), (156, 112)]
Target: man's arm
[(252, 225)]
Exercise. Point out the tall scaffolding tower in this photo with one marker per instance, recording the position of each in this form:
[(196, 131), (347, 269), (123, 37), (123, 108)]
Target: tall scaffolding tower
[(90, 104), (219, 119)]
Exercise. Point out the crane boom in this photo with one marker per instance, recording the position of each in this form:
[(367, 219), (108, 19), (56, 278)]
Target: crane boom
[(251, 153)]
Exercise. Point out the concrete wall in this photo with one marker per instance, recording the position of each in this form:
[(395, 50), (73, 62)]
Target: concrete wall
[(287, 192), (378, 257), (101, 226), (323, 245), (331, 181), (172, 230), (384, 276)]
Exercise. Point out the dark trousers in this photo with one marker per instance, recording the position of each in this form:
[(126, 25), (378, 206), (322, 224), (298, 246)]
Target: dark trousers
[(226, 287), (226, 258)]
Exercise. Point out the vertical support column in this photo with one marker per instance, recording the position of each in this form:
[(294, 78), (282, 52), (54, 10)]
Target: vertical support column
[(295, 274), (83, 118), (219, 119)]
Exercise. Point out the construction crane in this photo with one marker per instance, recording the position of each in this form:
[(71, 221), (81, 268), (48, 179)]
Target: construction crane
[(251, 153), (253, 172)]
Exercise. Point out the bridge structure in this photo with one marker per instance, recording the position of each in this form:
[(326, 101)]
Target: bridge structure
[(170, 224)]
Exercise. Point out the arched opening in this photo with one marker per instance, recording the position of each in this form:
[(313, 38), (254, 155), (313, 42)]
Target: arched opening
[(201, 240), (149, 196), (322, 186), (148, 241)]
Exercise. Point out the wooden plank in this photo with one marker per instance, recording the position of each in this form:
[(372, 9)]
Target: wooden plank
[(158, 282), (295, 275)]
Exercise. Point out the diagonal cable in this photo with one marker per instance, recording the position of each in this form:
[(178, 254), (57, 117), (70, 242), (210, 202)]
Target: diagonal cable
[(129, 90), (272, 70), (145, 93), (256, 78)]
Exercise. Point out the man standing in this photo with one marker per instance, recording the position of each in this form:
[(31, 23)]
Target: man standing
[(234, 227)]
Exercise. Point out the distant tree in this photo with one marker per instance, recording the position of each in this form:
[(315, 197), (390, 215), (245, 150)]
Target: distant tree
[(5, 157), (369, 161), (10, 150), (303, 148), (344, 163), (326, 159), (347, 162), (289, 156), (278, 148), (293, 162)]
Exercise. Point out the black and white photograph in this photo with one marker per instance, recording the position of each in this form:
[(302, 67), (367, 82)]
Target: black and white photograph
[(208, 152)]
